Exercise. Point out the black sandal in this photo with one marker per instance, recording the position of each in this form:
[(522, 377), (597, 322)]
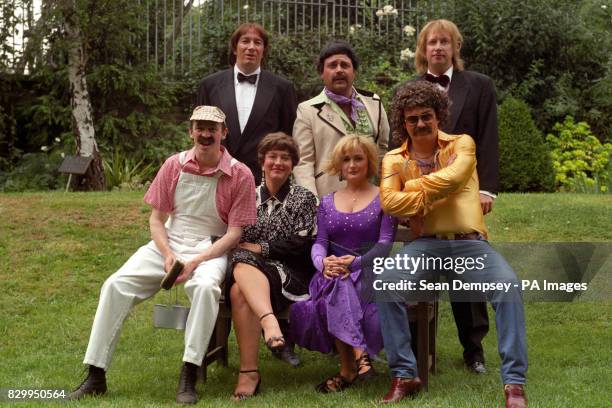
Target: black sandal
[(243, 396), (271, 340), (335, 383), (363, 362)]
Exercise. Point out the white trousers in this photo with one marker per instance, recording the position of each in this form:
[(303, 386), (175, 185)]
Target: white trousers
[(139, 279)]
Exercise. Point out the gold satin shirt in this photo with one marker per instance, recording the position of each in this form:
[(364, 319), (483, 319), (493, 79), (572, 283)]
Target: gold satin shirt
[(448, 198)]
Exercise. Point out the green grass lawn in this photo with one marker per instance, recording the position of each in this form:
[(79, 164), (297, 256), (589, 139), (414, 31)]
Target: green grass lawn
[(56, 249)]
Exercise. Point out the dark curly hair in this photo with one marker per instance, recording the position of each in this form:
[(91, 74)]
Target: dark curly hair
[(415, 94)]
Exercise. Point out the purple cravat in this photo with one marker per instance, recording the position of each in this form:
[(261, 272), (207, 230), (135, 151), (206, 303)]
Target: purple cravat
[(343, 100)]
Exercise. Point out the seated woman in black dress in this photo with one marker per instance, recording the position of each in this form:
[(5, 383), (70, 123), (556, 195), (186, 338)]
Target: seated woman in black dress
[(271, 268)]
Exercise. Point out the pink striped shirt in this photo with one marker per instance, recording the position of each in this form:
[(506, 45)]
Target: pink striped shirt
[(235, 196)]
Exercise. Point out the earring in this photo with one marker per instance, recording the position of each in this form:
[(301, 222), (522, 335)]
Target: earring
[(263, 177)]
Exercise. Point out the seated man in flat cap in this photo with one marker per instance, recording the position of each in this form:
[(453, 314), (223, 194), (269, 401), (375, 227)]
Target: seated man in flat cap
[(201, 199)]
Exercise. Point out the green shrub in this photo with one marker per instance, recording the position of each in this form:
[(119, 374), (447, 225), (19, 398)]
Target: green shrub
[(35, 172), (524, 163), (580, 160), (125, 172)]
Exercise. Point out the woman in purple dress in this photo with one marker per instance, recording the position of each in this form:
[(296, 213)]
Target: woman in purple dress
[(340, 314)]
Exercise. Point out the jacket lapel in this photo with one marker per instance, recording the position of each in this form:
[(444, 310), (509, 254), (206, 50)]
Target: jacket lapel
[(227, 97), (327, 115), (372, 108), (457, 93), (265, 92)]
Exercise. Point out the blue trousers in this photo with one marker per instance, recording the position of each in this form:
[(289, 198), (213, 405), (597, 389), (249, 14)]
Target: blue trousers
[(487, 267)]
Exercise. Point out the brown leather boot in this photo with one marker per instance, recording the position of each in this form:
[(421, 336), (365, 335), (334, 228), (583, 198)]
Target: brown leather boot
[(186, 393), (94, 384), (402, 388), (515, 396)]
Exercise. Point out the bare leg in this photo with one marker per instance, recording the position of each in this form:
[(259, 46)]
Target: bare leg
[(256, 291), (347, 360), (348, 371), (247, 327)]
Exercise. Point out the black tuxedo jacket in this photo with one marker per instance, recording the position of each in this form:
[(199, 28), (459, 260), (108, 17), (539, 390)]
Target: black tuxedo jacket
[(474, 112), (273, 111)]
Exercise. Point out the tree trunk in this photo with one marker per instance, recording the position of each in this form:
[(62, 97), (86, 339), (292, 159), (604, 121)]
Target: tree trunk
[(82, 121)]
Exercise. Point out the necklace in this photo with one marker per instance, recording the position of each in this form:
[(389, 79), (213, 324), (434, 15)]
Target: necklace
[(354, 194)]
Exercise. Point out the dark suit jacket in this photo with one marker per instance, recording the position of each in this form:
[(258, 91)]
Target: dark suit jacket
[(474, 112), (273, 111)]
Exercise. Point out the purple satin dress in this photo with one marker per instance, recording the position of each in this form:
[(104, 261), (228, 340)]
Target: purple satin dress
[(338, 308)]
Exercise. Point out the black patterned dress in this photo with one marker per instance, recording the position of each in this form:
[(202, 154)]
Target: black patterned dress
[(285, 229)]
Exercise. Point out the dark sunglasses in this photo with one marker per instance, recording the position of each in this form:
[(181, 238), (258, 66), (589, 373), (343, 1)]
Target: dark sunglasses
[(413, 120)]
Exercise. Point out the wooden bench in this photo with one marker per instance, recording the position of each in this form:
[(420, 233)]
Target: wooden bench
[(424, 315)]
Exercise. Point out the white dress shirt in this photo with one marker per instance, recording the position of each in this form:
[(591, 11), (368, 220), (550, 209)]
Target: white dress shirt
[(245, 96)]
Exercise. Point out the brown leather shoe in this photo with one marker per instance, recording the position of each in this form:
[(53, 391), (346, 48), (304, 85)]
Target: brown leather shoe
[(515, 396), (187, 393), (402, 387), (94, 384)]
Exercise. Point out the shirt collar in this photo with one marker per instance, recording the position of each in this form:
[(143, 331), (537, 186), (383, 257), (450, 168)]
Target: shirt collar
[(280, 196), (237, 70), (443, 140), (225, 163)]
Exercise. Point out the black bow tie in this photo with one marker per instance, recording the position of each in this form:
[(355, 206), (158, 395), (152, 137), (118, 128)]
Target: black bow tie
[(443, 79), (251, 79)]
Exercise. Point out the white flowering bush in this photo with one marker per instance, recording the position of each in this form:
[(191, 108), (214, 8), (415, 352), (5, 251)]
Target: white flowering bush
[(406, 55), (387, 10), (409, 30), (353, 28)]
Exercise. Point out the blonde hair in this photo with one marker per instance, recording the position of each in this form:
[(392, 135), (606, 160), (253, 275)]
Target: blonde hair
[(350, 144), (420, 57)]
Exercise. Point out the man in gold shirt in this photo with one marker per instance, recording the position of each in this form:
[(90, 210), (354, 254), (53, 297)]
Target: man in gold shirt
[(431, 180)]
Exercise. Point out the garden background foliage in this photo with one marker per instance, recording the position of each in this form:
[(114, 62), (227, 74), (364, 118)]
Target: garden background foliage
[(555, 55)]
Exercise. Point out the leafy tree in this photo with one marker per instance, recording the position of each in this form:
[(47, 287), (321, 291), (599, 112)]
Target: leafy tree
[(554, 54)]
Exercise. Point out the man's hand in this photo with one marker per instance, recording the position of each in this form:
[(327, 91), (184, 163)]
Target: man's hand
[(416, 226), (169, 261), (187, 271), (486, 203), (256, 248)]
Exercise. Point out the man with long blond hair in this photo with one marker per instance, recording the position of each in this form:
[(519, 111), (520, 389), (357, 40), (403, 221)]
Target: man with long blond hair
[(473, 112)]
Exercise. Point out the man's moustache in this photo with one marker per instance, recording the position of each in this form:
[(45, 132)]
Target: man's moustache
[(206, 141), (422, 130)]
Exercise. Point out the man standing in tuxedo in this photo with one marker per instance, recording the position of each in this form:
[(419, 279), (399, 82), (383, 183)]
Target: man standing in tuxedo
[(256, 103), (473, 111)]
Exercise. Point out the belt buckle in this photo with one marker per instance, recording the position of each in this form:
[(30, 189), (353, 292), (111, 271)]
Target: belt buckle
[(449, 236)]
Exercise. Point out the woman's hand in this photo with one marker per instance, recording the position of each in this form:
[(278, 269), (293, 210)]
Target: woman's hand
[(334, 267), (256, 248)]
